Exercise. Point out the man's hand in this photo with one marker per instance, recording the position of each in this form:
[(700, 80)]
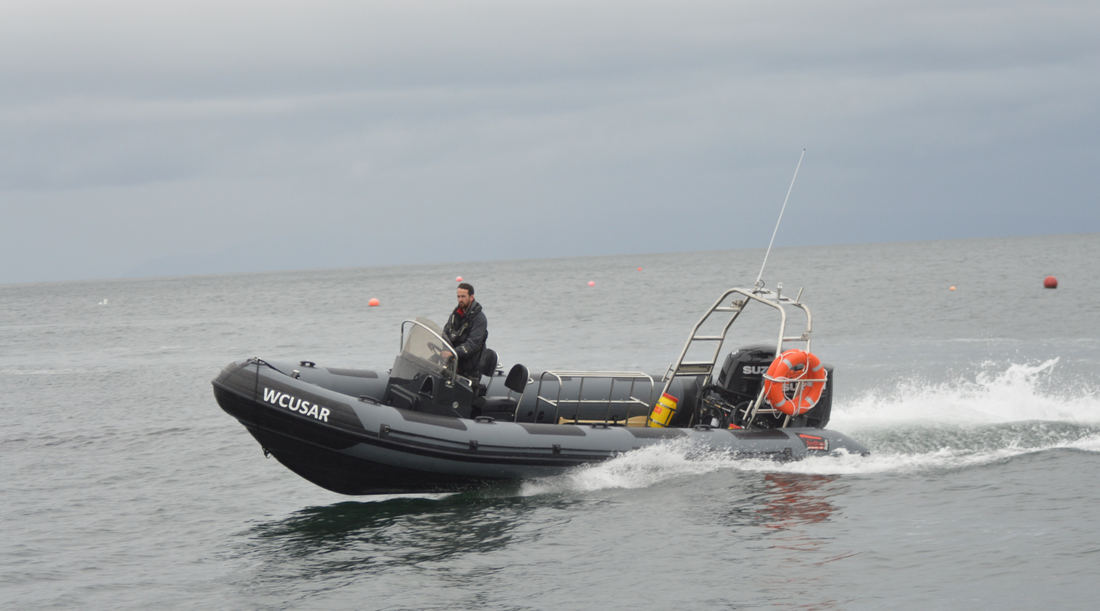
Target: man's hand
[(446, 354)]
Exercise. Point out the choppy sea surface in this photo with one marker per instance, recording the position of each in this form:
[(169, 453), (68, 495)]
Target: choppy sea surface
[(126, 487)]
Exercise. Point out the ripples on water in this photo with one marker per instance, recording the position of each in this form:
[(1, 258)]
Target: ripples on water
[(534, 550), (126, 487)]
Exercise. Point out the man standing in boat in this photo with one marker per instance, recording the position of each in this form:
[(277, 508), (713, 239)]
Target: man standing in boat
[(467, 329)]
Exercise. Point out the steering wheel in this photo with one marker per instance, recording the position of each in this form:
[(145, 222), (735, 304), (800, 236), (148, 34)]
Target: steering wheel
[(437, 353)]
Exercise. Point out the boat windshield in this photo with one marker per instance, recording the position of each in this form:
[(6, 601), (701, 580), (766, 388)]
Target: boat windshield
[(426, 344)]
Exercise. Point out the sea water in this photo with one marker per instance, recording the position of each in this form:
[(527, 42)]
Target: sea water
[(126, 487)]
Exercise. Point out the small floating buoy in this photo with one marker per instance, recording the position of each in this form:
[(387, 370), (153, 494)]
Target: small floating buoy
[(458, 278), (591, 283), (952, 288), (639, 269), (1050, 283), (373, 302)]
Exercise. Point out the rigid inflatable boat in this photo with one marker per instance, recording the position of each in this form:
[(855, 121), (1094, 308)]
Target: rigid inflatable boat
[(421, 427)]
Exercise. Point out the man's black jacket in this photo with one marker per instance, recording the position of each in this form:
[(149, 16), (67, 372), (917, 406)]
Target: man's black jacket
[(467, 333)]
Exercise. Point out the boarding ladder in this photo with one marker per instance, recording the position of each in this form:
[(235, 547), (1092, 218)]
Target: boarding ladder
[(684, 368)]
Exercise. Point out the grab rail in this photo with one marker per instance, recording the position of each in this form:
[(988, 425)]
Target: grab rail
[(562, 376)]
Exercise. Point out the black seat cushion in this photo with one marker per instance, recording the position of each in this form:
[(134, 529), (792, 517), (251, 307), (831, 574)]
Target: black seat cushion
[(499, 404)]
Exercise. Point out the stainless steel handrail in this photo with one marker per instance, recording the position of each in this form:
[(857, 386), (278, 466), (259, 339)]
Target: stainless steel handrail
[(580, 400), (760, 295)]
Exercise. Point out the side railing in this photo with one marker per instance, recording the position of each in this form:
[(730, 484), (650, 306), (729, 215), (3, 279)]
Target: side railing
[(636, 407)]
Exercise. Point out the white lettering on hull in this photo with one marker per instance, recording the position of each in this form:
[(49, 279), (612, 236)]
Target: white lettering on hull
[(295, 404)]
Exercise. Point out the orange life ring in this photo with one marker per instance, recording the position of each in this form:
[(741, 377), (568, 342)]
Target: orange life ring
[(809, 380)]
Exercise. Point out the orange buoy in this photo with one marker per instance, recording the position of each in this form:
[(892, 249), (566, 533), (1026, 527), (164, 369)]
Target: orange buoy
[(804, 372), (1050, 283), (591, 283), (373, 302), (952, 287), (458, 278), (639, 269)]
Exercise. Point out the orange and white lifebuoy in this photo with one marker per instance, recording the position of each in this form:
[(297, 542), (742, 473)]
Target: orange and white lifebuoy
[(805, 372)]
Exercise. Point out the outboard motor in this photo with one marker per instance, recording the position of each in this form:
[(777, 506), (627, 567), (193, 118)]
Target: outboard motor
[(743, 372), (738, 385)]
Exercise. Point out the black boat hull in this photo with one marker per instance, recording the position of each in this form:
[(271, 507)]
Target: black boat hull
[(355, 445)]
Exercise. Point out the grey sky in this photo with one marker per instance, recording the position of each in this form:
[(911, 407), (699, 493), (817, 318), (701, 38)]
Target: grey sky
[(143, 139)]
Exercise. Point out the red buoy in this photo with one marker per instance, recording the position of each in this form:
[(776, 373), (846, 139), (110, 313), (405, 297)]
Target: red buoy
[(373, 302), (458, 278), (591, 283), (1050, 283)]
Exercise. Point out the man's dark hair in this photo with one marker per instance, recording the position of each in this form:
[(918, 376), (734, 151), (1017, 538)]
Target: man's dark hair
[(469, 287)]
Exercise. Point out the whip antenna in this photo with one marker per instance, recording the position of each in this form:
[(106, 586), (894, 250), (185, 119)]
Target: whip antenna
[(768, 252)]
